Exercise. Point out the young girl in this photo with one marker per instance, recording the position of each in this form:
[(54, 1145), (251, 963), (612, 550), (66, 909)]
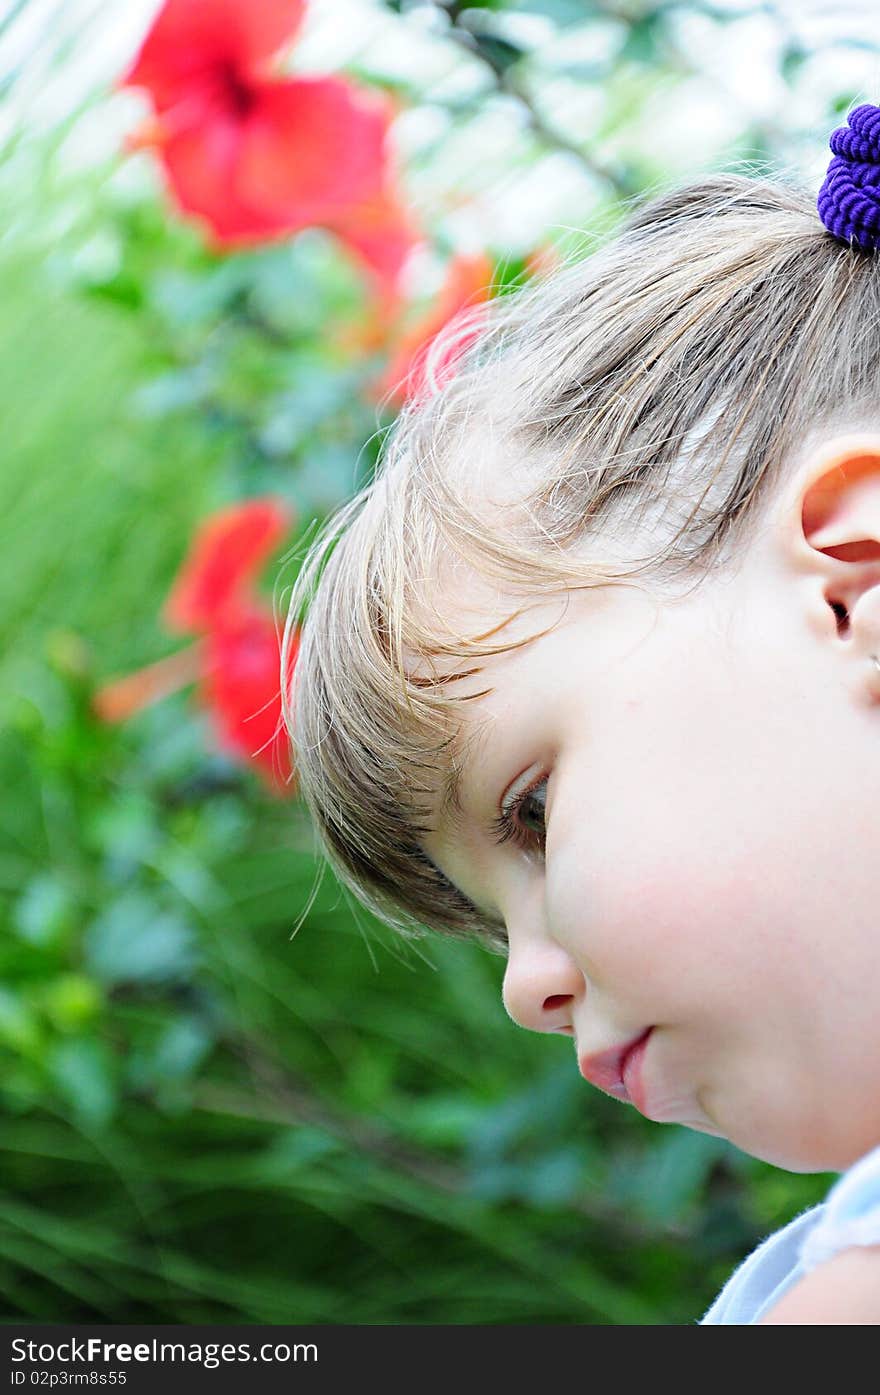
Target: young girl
[(591, 672)]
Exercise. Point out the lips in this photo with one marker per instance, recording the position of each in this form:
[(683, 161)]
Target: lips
[(607, 1069)]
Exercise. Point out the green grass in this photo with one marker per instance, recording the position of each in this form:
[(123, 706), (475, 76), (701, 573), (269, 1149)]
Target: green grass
[(96, 505)]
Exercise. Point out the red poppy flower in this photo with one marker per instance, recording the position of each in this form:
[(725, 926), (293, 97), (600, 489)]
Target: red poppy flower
[(257, 157), (468, 284), (225, 556), (241, 690), (237, 663)]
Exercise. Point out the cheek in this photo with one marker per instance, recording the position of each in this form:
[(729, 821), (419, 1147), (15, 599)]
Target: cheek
[(688, 857), (662, 910)]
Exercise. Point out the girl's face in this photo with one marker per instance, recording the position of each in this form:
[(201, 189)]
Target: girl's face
[(700, 849)]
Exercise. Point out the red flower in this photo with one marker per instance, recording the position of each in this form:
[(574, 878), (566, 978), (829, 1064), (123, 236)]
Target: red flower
[(237, 664), (225, 556), (241, 690), (468, 283), (258, 157), (193, 41)]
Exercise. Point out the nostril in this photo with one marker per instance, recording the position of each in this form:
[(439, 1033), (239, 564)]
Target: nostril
[(842, 616), (556, 1000)]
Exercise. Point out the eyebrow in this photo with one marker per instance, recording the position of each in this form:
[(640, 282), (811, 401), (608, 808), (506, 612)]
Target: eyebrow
[(451, 810)]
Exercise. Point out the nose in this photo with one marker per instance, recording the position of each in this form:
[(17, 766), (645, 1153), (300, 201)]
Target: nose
[(542, 984)]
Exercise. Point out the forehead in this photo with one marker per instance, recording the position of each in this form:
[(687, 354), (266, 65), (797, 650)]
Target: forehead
[(458, 606), (478, 685), (482, 685)]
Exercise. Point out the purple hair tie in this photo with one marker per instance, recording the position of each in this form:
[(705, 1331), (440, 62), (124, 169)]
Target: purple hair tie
[(849, 200)]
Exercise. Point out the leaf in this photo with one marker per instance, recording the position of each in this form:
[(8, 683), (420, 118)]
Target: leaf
[(136, 940), (178, 390), (662, 1182), (126, 831), (71, 1001), (793, 60), (19, 1029), (499, 53), (195, 301), (442, 1119), (562, 12), (43, 913), (642, 41), (525, 1115), (842, 103), (181, 1048), (83, 1071), (296, 1150)]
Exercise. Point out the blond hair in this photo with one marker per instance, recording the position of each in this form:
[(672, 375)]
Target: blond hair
[(653, 390)]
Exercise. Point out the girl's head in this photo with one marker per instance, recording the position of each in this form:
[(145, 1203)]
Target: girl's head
[(622, 571)]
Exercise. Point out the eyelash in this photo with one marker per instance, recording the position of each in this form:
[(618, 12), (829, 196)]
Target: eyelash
[(506, 828)]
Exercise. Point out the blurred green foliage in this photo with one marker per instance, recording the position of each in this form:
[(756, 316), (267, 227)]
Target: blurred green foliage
[(205, 1117)]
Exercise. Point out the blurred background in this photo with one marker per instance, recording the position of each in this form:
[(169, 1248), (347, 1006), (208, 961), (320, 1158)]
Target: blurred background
[(229, 231)]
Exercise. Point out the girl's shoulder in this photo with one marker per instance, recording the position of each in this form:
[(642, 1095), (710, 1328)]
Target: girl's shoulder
[(850, 1213), (765, 1274)]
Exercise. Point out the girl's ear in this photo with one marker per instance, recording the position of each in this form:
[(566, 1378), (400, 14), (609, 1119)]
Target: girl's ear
[(840, 497), (832, 534)]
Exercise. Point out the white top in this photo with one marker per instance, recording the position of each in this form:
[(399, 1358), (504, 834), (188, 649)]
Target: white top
[(849, 1215)]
